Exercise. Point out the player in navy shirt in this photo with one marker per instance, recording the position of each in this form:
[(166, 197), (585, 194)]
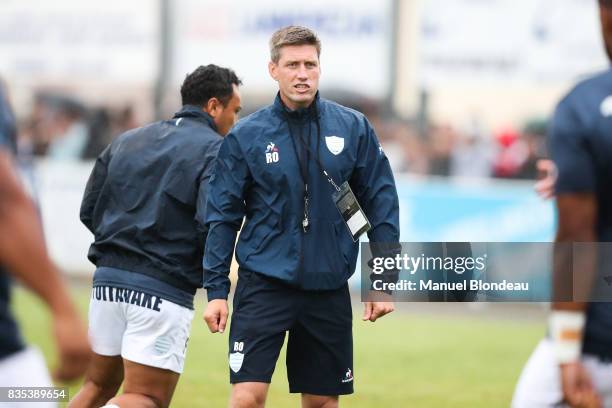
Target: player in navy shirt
[(573, 366)]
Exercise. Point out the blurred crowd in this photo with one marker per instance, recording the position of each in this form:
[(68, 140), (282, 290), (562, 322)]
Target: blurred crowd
[(471, 151), (62, 127)]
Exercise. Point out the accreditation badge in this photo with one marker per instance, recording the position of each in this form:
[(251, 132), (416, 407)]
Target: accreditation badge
[(351, 212)]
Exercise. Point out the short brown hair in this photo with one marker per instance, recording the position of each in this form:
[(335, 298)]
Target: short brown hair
[(292, 35)]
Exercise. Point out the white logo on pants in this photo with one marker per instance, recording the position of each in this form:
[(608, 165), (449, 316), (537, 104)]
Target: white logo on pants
[(236, 358), (235, 361)]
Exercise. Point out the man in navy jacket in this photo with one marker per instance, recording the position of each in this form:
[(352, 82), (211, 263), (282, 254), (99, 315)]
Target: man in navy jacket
[(278, 169), (144, 203)]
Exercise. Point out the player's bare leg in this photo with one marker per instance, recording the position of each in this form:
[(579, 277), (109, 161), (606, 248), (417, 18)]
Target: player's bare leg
[(102, 381), (146, 387), (249, 395), (319, 401)]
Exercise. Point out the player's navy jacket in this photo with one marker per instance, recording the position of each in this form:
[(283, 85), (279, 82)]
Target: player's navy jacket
[(145, 199), (10, 338), (258, 176), (581, 147)]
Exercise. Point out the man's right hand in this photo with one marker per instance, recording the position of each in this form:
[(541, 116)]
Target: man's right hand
[(578, 390), (216, 314)]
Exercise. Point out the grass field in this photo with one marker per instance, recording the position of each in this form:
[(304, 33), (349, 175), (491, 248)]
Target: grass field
[(403, 360)]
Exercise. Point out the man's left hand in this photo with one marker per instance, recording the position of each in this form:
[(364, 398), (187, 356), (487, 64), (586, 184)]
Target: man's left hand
[(374, 310)]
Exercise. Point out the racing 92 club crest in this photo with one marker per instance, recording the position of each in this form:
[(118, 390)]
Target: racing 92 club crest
[(237, 357), (334, 144), (606, 107)]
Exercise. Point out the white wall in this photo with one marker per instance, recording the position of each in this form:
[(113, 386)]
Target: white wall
[(502, 60)]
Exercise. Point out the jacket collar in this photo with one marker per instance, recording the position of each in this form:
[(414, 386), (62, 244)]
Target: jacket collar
[(298, 114), (195, 112)]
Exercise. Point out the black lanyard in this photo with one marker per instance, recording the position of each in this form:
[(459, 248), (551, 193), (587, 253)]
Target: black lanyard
[(316, 156), (304, 166)]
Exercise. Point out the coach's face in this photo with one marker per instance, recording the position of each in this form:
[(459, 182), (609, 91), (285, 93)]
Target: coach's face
[(297, 73)]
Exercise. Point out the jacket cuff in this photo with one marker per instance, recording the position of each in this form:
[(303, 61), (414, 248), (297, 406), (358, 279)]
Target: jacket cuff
[(213, 294)]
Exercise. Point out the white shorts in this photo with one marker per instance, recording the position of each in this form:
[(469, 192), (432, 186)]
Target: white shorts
[(25, 368), (155, 335), (539, 385)]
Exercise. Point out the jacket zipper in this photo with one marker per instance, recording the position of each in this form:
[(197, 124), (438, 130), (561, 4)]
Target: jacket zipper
[(303, 230)]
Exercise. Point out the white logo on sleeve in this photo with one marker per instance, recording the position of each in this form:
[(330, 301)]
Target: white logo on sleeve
[(237, 357), (348, 377), (606, 107), (272, 155), (335, 144)]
